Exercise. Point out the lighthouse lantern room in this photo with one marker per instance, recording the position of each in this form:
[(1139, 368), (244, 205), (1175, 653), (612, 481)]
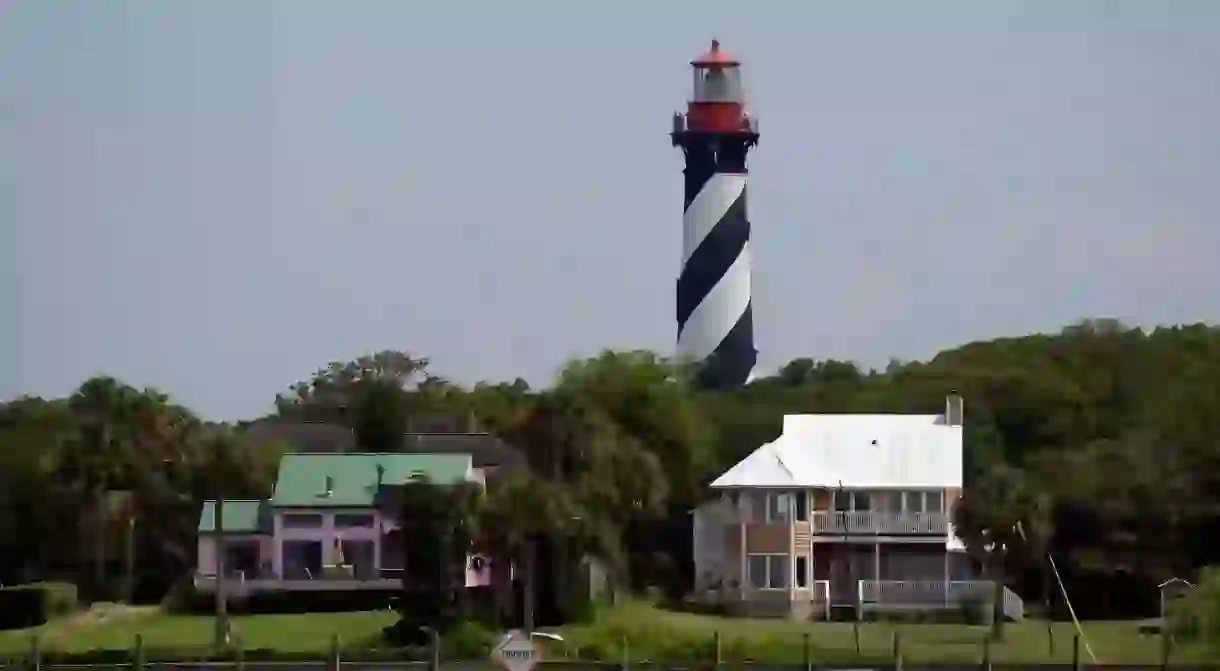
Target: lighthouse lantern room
[(718, 102)]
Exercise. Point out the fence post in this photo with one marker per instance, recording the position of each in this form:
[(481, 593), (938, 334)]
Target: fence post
[(1076, 652), (239, 653), (35, 653), (805, 652), (986, 663), (855, 628), (1050, 637), (626, 654), (897, 645), (716, 643), (137, 659), (436, 650), (334, 653)]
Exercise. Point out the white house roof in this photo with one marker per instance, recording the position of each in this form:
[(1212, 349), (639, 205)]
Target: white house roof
[(855, 451)]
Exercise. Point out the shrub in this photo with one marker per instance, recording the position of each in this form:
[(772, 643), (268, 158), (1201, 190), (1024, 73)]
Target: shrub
[(184, 599), (467, 640), (975, 609), (34, 603), (1197, 615), (181, 598)]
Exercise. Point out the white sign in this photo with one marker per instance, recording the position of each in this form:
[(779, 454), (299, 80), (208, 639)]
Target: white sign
[(516, 652)]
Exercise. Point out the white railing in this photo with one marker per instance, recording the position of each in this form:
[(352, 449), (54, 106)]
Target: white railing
[(235, 583), (879, 523), (238, 584), (936, 593)]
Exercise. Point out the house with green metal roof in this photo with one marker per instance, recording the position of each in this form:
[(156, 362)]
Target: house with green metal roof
[(329, 524)]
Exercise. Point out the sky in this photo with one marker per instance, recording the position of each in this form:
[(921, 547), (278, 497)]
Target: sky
[(217, 197)]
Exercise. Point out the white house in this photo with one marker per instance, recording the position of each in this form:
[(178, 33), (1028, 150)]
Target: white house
[(849, 510)]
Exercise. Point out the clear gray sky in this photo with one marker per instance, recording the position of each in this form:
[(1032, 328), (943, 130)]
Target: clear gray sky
[(216, 197)]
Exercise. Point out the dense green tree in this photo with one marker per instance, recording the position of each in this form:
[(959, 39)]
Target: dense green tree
[(438, 530), (372, 394), (1103, 441)]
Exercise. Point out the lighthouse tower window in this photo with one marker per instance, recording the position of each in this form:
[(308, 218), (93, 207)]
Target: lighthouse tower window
[(718, 84)]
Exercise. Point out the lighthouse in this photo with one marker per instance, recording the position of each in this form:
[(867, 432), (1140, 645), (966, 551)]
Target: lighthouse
[(715, 317)]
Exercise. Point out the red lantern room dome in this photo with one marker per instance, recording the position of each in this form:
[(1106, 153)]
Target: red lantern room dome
[(715, 58)]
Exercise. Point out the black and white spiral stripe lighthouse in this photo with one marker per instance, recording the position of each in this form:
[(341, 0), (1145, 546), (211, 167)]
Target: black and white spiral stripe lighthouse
[(715, 316)]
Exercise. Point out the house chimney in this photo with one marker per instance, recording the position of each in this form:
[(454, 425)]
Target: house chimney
[(380, 474), (954, 413), (329, 485)]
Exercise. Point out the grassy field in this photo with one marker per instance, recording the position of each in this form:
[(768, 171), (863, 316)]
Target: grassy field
[(658, 634), (115, 628), (650, 634)]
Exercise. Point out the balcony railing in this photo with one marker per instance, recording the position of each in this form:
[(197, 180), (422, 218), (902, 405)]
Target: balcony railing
[(238, 584), (936, 593), (879, 523)]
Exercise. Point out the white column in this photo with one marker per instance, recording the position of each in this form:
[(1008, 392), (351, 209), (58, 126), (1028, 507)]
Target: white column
[(328, 539), (947, 577), (277, 546), (744, 580)]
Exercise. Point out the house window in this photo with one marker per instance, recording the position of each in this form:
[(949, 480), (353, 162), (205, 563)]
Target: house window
[(924, 502), (302, 560), (768, 571), (861, 501), (802, 506), (242, 556), (890, 502), (802, 571), (360, 556), (779, 507), (353, 521), (842, 501), (302, 521)]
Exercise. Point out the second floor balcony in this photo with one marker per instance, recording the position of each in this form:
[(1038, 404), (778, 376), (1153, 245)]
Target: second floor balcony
[(878, 523)]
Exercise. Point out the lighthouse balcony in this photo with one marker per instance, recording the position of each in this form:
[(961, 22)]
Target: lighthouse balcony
[(683, 124)]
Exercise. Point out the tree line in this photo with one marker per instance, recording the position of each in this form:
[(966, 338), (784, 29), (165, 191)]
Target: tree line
[(1101, 441)]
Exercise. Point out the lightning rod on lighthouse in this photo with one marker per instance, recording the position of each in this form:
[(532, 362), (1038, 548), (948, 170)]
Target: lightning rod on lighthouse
[(715, 317)]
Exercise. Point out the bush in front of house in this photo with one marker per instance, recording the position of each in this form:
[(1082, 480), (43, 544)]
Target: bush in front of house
[(1196, 617), (32, 604), (184, 599)]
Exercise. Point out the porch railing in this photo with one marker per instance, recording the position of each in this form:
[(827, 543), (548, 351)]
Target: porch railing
[(879, 523), (936, 593), (238, 584)]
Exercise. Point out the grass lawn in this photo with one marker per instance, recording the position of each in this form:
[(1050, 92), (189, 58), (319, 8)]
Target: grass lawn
[(115, 628), (657, 634), (650, 633)]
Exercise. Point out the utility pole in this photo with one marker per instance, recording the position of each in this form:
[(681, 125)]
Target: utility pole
[(996, 554), (129, 558), (222, 546), (99, 536), (531, 557)]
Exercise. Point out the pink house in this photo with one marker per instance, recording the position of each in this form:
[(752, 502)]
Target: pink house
[(330, 525)]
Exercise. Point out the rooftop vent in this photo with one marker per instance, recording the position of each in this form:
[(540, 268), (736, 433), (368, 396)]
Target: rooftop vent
[(328, 487)]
